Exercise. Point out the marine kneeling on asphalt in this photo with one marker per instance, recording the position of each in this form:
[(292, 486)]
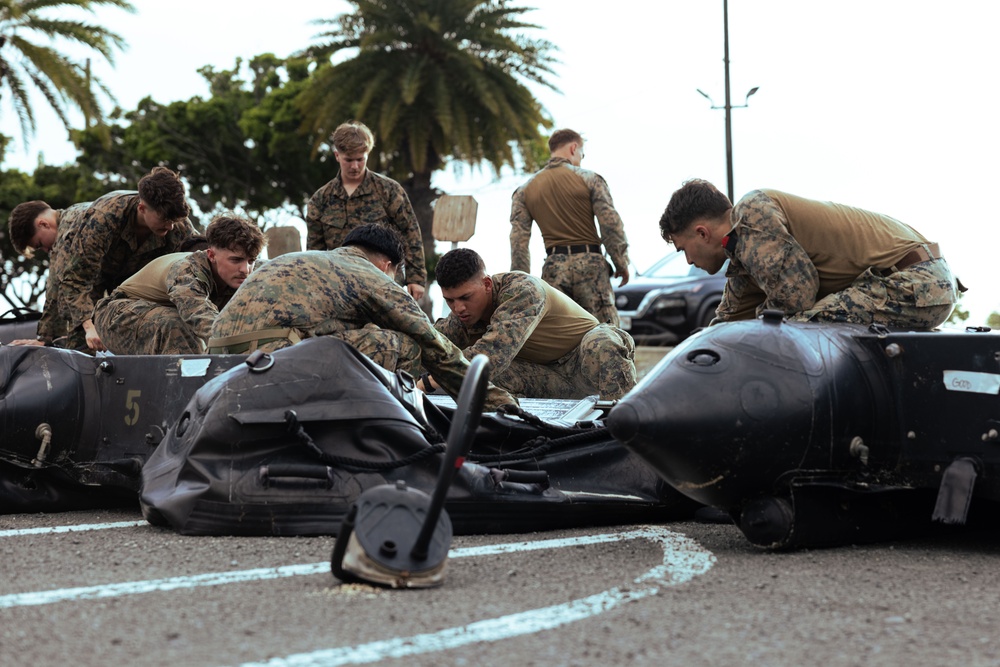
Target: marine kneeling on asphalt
[(169, 306), (540, 343), (348, 293)]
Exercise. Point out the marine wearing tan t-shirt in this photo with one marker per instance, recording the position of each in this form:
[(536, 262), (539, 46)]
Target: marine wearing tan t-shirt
[(563, 199), (822, 261), (542, 344)]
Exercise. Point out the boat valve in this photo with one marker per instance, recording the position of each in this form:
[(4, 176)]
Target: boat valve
[(43, 433), (859, 450)]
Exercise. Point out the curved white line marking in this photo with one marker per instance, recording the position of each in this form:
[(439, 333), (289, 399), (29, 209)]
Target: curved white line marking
[(683, 559), (690, 558), (261, 574), (16, 532)]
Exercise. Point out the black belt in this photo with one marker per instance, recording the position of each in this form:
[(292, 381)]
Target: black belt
[(918, 254), (571, 249)]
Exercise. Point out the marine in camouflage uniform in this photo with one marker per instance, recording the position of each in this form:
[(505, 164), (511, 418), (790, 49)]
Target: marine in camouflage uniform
[(563, 199), (51, 325), (103, 250), (540, 343), (340, 293), (168, 307), (331, 214), (359, 196), (819, 262)]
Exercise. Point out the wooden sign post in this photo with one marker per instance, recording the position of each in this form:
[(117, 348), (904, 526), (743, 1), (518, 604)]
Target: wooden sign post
[(281, 240), (454, 218)]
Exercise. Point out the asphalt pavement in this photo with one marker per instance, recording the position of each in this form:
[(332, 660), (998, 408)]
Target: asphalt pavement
[(105, 588)]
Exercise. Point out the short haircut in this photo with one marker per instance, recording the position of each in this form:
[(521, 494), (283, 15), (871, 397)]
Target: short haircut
[(377, 238), (562, 137), (21, 224), (458, 266), (163, 191), (236, 234), (352, 137), (695, 200)]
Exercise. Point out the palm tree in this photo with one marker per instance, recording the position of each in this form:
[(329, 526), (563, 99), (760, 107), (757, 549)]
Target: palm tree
[(25, 60), (435, 80)]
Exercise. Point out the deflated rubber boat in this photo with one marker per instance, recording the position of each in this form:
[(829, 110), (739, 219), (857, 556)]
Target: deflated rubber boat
[(75, 430), (811, 435), (283, 444)]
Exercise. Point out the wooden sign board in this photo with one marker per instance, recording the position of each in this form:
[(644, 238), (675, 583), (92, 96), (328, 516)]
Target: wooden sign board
[(281, 240), (454, 218)]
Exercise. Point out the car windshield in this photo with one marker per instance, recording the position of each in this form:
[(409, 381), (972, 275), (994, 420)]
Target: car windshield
[(673, 265)]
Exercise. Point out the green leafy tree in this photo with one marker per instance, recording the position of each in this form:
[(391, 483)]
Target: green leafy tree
[(436, 80), (993, 321), (240, 148), (22, 282), (27, 63)]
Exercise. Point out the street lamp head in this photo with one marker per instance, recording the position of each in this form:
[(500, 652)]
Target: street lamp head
[(752, 91), (705, 95)]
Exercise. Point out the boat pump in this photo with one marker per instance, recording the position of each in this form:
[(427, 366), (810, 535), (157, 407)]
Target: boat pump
[(399, 536)]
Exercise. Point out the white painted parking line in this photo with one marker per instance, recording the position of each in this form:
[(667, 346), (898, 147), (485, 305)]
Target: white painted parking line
[(490, 630), (154, 585), (104, 591), (683, 559), (16, 532)]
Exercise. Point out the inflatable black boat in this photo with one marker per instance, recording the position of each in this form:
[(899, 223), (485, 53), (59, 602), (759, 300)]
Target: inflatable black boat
[(283, 444), (814, 435)]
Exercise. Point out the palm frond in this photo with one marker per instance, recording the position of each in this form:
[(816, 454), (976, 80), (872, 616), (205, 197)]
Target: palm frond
[(61, 81), (435, 79)]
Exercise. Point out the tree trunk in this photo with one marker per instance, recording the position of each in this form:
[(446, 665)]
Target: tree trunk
[(422, 196)]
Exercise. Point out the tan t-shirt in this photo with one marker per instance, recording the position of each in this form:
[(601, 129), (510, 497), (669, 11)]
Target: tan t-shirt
[(150, 282), (559, 200), (532, 321), (843, 241)]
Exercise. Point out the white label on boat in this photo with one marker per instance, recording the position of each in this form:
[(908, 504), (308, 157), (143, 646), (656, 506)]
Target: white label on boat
[(194, 368), (978, 383)]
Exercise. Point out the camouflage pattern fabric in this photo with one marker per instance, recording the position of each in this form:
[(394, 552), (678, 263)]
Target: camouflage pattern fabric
[(331, 214), (583, 277), (580, 279), (389, 349), (612, 230), (103, 250), (138, 326), (603, 363), (341, 293), (52, 325), (769, 269), (921, 296)]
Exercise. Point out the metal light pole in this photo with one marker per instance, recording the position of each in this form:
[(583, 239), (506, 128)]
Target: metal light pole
[(728, 105)]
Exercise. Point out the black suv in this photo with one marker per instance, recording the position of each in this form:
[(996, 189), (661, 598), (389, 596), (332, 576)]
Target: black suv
[(664, 304)]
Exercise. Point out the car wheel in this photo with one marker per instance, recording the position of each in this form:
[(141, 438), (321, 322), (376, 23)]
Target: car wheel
[(707, 314)]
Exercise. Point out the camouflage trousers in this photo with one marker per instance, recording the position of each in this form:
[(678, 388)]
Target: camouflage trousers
[(74, 340), (392, 350), (603, 364), (585, 278), (389, 349), (921, 296), (136, 326)]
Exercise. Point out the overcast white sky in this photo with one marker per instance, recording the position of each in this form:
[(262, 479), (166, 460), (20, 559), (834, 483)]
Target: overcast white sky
[(884, 104)]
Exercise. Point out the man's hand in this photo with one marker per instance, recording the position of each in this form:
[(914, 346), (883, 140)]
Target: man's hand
[(623, 274), (416, 290), (93, 339), (425, 384)]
